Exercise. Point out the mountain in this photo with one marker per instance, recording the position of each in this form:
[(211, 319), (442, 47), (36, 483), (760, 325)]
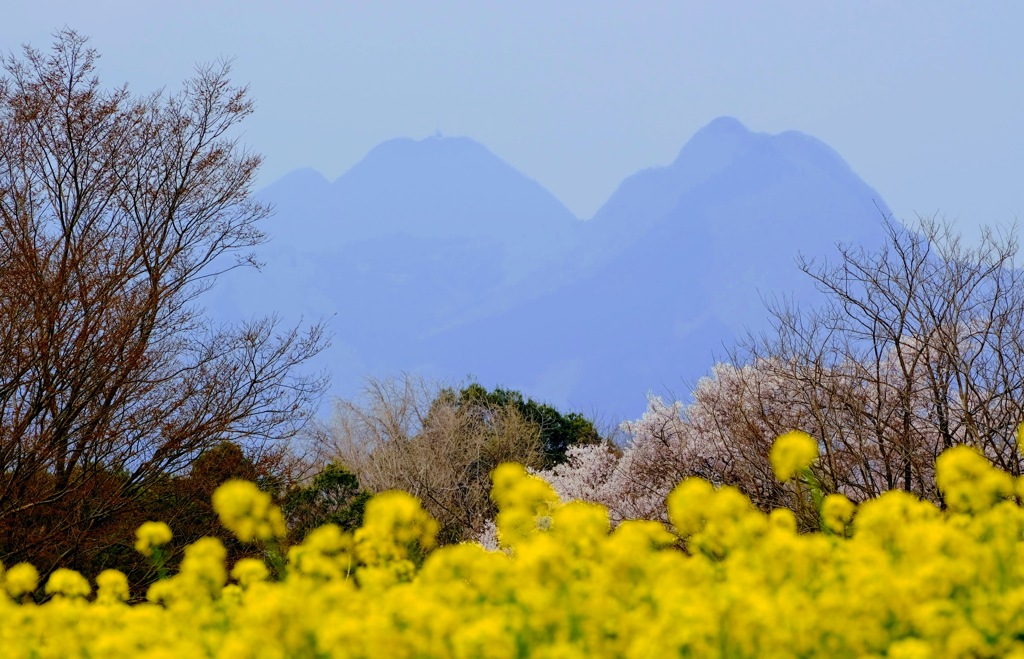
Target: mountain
[(699, 243), (434, 256), (651, 194), (415, 232), (739, 207), (439, 187)]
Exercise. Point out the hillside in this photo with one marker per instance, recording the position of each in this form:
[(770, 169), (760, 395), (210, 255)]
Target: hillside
[(434, 256)]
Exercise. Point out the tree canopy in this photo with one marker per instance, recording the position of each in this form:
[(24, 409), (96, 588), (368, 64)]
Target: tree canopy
[(441, 444), (117, 212), (558, 432)]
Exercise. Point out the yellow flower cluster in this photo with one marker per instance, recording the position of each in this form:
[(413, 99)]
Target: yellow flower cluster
[(151, 535), (968, 482), (112, 586), (67, 583), (894, 577), (20, 579), (248, 512), (792, 453), (836, 512)]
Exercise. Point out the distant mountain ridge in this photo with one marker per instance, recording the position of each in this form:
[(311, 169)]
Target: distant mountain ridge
[(450, 187), (435, 256)]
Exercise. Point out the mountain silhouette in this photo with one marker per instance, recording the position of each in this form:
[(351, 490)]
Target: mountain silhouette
[(434, 256), (411, 235), (449, 188), (699, 244)]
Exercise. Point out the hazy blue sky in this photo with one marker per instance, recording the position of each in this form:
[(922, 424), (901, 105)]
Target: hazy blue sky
[(924, 99)]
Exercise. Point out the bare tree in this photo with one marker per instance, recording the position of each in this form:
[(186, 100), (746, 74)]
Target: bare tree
[(419, 437), (917, 347), (116, 213)]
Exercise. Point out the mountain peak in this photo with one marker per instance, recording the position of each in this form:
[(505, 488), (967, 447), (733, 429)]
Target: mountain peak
[(651, 193), (725, 125), (441, 191), (716, 142), (432, 146)]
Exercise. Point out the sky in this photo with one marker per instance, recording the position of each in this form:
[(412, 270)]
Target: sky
[(923, 99)]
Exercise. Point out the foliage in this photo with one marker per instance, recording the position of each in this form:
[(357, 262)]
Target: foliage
[(117, 212), (893, 576), (184, 502), (332, 497), (441, 446), (558, 432)]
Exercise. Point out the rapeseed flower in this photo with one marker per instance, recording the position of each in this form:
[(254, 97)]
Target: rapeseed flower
[(248, 512), (151, 535), (68, 583), (112, 586), (783, 519), (395, 528), (687, 504), (902, 577), (968, 481), (20, 579), (524, 503), (791, 453), (249, 571), (836, 513), (204, 562)]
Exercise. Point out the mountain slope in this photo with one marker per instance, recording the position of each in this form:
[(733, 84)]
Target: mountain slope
[(435, 256), (706, 238)]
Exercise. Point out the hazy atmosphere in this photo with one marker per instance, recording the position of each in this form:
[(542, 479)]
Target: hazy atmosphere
[(533, 329), (922, 99)]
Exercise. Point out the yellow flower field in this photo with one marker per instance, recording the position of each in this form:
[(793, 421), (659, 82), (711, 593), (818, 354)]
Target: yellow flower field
[(893, 577)]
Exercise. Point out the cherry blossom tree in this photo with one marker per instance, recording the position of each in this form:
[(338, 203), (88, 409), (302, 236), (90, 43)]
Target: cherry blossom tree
[(918, 346)]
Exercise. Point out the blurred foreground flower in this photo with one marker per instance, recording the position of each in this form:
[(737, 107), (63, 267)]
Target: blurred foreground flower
[(68, 583), (20, 579), (151, 535), (791, 453), (248, 512)]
